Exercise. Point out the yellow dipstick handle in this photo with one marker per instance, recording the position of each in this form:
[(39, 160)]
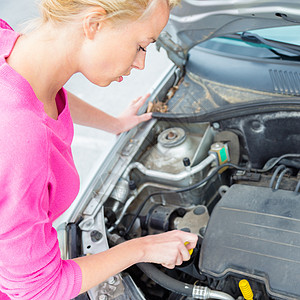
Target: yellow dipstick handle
[(191, 250), (246, 289)]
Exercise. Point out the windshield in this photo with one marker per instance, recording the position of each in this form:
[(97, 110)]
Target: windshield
[(271, 43), (288, 34)]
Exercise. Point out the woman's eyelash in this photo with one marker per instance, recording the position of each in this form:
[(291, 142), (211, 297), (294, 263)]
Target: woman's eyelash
[(141, 48)]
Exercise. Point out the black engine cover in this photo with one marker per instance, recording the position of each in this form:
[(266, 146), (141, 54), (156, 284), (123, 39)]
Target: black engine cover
[(254, 232)]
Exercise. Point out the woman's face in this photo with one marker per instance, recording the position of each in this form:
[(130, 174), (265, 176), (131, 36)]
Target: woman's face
[(114, 50)]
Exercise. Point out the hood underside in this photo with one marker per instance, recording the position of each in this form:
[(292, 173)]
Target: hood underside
[(196, 21)]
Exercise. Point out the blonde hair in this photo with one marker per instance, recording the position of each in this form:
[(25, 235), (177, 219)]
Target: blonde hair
[(62, 11)]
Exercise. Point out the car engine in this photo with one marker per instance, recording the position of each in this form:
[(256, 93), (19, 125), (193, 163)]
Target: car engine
[(253, 233), (224, 181)]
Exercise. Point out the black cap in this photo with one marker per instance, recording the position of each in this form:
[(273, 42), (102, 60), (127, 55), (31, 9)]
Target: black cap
[(186, 161)]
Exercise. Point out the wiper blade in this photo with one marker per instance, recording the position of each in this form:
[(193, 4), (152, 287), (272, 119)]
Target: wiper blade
[(257, 39)]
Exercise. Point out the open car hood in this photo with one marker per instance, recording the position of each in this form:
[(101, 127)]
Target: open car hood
[(195, 21)]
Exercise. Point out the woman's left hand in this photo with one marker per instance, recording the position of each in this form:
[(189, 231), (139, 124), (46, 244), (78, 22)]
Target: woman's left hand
[(129, 118)]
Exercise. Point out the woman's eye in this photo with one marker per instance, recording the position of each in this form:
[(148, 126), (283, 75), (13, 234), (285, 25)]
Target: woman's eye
[(141, 48)]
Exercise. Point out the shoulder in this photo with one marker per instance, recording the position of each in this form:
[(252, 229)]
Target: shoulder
[(21, 115), (8, 38), (4, 25), (25, 138)]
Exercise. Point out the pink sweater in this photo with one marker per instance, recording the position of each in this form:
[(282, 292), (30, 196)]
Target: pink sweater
[(38, 182)]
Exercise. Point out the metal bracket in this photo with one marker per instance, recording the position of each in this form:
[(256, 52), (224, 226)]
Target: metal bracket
[(175, 52)]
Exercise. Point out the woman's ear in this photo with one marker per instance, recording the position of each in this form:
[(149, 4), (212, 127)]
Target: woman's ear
[(92, 22)]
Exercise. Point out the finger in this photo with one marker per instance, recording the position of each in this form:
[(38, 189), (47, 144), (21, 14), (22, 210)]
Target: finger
[(145, 117), (184, 253), (169, 266), (189, 247), (179, 259), (191, 238), (141, 100), (192, 241), (136, 100), (145, 97)]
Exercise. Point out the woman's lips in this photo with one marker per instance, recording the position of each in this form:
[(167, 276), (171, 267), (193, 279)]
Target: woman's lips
[(120, 79)]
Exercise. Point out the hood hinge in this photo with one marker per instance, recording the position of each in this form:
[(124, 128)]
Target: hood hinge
[(175, 52)]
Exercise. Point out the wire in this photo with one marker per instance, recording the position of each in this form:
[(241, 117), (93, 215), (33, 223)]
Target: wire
[(287, 170), (194, 186), (276, 162), (278, 169), (297, 187)]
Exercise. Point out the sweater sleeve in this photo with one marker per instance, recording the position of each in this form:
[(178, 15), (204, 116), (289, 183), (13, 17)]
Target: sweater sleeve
[(4, 25), (30, 262)]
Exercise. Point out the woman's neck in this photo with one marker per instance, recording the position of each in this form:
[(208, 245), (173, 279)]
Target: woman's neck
[(46, 58)]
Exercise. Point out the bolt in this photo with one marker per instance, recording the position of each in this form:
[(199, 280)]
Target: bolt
[(216, 125), (132, 185), (200, 210), (171, 135), (186, 229), (111, 280), (96, 236), (88, 224)]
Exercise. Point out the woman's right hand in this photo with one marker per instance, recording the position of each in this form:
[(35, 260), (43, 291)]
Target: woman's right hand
[(168, 249)]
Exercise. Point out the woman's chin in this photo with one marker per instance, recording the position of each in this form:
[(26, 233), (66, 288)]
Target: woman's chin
[(106, 82)]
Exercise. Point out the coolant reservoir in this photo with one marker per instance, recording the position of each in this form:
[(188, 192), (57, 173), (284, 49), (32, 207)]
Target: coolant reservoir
[(173, 145)]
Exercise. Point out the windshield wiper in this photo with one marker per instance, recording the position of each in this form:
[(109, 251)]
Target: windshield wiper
[(257, 39)]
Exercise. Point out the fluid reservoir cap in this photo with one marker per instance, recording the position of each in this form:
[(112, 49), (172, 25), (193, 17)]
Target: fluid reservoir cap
[(172, 137)]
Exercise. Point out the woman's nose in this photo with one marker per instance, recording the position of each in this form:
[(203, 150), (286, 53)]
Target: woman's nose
[(139, 62)]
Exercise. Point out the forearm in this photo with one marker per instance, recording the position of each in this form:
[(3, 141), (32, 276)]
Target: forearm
[(87, 115), (99, 267)]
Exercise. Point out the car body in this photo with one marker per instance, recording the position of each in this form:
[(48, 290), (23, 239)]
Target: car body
[(220, 158)]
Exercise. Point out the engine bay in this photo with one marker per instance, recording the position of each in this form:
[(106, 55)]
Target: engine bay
[(253, 233), (235, 183)]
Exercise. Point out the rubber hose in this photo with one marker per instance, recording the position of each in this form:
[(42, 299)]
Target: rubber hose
[(166, 281)]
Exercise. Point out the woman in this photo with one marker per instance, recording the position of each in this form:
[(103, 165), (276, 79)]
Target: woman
[(104, 40)]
